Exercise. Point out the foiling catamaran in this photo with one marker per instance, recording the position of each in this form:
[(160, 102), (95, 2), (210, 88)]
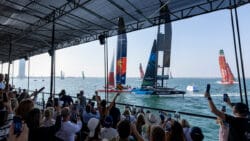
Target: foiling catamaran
[(226, 73), (154, 83), (121, 64)]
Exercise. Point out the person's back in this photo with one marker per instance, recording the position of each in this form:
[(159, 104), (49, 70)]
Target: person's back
[(238, 124), (116, 115), (68, 129), (108, 132)]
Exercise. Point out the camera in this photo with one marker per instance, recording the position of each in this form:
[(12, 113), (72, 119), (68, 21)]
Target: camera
[(17, 121), (225, 97)]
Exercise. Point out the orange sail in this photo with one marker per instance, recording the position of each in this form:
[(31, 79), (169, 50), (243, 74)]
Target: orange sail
[(226, 73)]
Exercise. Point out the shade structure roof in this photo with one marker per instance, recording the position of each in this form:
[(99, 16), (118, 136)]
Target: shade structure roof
[(26, 25)]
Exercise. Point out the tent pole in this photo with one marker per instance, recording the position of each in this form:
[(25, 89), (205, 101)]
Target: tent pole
[(236, 54), (240, 51)]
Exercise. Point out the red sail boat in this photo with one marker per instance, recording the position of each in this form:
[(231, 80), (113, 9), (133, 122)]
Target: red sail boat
[(121, 63), (141, 71), (226, 73)]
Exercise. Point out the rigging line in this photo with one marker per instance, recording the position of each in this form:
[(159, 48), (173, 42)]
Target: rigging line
[(12, 73), (106, 42), (236, 54), (240, 50), (28, 74), (156, 11)]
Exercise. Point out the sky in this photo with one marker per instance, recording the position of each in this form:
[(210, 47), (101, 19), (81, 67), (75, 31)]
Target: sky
[(195, 47)]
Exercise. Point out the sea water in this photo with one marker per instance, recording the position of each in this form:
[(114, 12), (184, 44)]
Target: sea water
[(193, 102)]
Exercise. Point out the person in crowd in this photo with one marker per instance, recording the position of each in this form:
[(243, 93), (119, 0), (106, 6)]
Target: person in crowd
[(94, 127), (238, 124), (125, 129), (67, 100), (127, 116), (23, 135), (23, 95), (48, 117), (174, 131), (2, 83), (224, 127), (6, 117), (68, 129), (157, 134), (24, 107), (107, 132), (115, 114), (103, 109), (196, 134), (87, 115), (37, 132), (82, 100), (186, 129), (140, 122)]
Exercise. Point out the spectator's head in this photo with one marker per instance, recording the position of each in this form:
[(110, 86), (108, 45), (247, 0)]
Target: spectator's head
[(81, 93), (140, 119), (33, 118), (108, 122), (162, 117), (62, 93), (157, 134), (123, 129), (240, 109), (49, 112), (196, 134), (65, 113), (103, 103), (152, 119), (174, 131), (94, 127), (88, 108), (184, 123), (24, 107)]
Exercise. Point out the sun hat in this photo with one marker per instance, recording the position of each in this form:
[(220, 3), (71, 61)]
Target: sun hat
[(92, 124), (152, 118)]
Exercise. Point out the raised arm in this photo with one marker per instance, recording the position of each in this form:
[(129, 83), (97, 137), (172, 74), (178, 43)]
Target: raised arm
[(213, 107), (113, 101)]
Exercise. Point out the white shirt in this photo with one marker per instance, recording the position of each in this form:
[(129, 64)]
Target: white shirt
[(108, 133), (68, 130), (2, 85)]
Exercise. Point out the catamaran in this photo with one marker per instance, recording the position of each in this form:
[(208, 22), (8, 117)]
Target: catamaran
[(154, 83), (83, 76), (62, 75), (226, 73), (121, 63)]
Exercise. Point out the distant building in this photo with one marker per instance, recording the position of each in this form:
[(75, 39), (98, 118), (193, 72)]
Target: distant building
[(21, 73)]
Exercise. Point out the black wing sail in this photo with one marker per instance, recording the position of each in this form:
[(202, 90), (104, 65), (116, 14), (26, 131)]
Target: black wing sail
[(149, 77)]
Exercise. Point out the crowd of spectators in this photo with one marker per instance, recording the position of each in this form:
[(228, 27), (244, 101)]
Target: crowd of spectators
[(94, 120)]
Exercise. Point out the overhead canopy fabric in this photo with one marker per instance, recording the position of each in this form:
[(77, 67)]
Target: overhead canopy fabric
[(28, 23)]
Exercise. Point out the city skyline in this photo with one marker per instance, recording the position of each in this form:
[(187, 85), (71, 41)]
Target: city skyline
[(195, 49)]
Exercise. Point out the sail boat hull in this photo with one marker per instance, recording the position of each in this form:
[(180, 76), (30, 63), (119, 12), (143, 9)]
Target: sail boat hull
[(158, 91), (115, 91)]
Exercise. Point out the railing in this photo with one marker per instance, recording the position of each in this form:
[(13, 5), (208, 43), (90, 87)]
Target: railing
[(42, 103)]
